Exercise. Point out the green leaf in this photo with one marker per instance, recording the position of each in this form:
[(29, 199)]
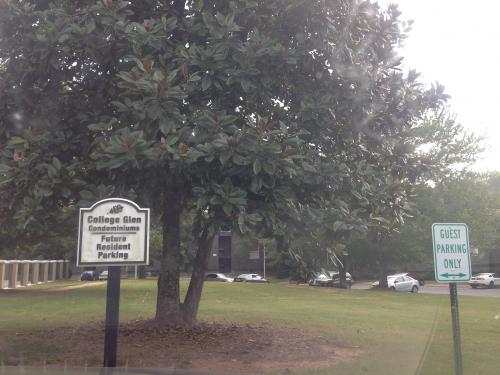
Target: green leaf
[(224, 157), (56, 163), (166, 126), (194, 77), (253, 218), (99, 127), (241, 223), (15, 141), (87, 195), (206, 82), (338, 225), (4, 168), (256, 184), (228, 209), (172, 75), (380, 219), (308, 167), (241, 160), (228, 185), (158, 75), (257, 167), (269, 167)]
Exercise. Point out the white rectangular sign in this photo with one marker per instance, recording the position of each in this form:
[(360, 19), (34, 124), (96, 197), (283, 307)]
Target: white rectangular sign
[(113, 232), (451, 252)]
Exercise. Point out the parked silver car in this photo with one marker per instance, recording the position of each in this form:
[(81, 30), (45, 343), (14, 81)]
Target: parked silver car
[(404, 280)]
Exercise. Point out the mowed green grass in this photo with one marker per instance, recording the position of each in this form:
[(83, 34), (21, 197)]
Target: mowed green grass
[(392, 333)]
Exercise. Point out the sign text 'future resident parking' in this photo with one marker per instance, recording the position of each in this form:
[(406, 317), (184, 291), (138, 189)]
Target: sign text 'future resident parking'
[(113, 231)]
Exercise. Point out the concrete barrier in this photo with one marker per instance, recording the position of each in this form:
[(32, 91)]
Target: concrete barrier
[(60, 269), (3, 274), (66, 271), (14, 270), (44, 271), (22, 273), (25, 272), (52, 270), (36, 272)]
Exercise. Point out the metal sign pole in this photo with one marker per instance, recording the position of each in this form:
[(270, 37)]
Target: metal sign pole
[(450, 242), (456, 329), (112, 309), (108, 218)]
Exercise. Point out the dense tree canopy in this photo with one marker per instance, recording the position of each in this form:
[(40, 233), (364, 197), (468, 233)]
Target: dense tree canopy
[(247, 114), (464, 198)]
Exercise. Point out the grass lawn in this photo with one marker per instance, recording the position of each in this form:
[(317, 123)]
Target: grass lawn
[(394, 333)]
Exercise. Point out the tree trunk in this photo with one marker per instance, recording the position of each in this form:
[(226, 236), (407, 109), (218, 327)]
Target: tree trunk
[(379, 241), (168, 308), (193, 296), (342, 275), (382, 280)]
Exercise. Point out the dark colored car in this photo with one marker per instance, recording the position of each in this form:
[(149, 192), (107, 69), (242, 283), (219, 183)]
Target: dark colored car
[(89, 276)]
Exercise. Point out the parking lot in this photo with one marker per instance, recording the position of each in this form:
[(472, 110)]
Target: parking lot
[(463, 290)]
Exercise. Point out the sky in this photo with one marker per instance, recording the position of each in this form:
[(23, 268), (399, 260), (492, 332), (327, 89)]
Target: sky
[(457, 43)]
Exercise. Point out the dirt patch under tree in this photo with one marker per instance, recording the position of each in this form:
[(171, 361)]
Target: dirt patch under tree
[(209, 346)]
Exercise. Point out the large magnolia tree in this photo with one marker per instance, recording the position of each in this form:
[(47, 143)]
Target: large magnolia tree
[(245, 114)]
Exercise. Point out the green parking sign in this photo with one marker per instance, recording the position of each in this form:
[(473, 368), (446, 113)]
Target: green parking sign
[(451, 252)]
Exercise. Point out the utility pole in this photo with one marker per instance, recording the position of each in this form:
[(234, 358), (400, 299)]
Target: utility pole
[(264, 261)]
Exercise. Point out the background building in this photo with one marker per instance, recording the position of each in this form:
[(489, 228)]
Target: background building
[(230, 254)]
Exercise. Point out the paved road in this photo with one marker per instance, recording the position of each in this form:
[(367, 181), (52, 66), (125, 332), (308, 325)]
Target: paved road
[(463, 290)]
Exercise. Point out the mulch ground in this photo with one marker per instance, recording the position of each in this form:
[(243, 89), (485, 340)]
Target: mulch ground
[(208, 346)]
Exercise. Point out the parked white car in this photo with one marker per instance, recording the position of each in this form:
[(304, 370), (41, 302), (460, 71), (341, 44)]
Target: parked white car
[(487, 280), (390, 280), (103, 275), (405, 284), (218, 277), (401, 282), (250, 278)]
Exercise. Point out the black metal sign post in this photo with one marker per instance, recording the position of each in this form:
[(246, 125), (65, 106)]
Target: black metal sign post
[(452, 265), (112, 316), (456, 329), (114, 232)]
